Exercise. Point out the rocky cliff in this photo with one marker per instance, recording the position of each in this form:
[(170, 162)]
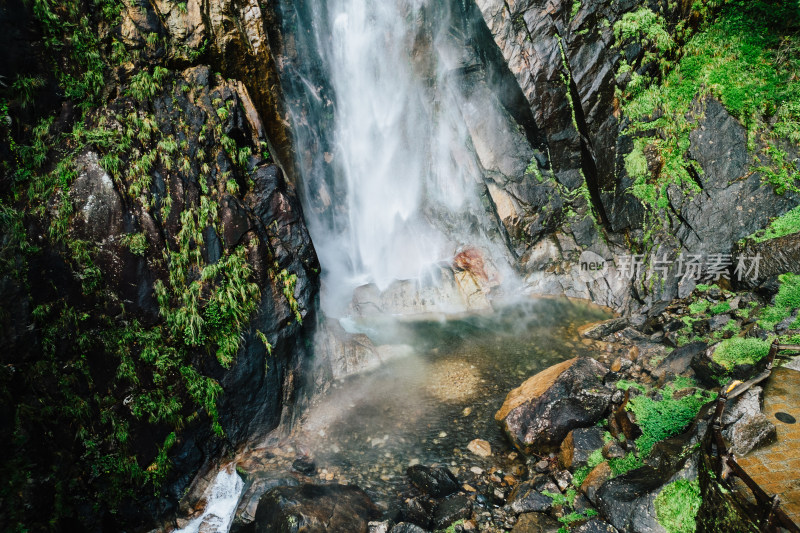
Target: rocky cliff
[(656, 148), (158, 280)]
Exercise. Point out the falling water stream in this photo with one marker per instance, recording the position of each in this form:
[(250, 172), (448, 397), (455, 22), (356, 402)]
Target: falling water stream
[(397, 134), (400, 136)]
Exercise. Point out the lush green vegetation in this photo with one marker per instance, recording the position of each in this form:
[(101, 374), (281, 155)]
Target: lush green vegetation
[(106, 383), (567, 502), (669, 416), (748, 57), (677, 505), (786, 302)]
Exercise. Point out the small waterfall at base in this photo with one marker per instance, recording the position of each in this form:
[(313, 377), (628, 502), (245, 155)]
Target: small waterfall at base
[(222, 497), (398, 137)]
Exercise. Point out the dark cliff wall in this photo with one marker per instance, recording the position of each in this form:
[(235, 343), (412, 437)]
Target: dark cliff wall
[(668, 131), (158, 281)]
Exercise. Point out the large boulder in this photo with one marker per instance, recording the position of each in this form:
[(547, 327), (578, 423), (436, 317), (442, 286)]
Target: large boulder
[(315, 509), (540, 413)]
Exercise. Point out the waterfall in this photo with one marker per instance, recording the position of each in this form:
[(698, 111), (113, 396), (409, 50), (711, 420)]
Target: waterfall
[(395, 136)]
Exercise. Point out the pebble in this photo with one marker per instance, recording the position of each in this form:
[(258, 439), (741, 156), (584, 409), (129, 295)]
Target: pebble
[(476, 470), (480, 447), (467, 411)]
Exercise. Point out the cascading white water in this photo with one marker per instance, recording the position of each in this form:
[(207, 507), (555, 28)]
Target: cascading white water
[(406, 179), (222, 497)]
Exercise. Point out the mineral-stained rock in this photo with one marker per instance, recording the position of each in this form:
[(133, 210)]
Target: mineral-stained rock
[(540, 413), (599, 475), (536, 523), (579, 445), (315, 509)]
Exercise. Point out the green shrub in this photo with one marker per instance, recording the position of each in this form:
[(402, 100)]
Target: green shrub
[(677, 505)]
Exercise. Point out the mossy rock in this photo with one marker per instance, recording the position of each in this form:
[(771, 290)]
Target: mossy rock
[(731, 359)]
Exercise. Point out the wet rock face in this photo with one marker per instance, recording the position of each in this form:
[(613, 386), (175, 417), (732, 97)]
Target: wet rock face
[(579, 446), (539, 414), (315, 509), (628, 501), (745, 426)]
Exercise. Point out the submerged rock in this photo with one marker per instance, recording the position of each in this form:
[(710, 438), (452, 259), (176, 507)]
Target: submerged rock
[(540, 413), (315, 509), (480, 447), (436, 481)]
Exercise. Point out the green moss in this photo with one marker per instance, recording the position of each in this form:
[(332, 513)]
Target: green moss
[(787, 224), (623, 465), (677, 505), (748, 58), (698, 307), (661, 419), (786, 301), (645, 25), (720, 308), (624, 384), (595, 459), (739, 350), (576, 6)]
